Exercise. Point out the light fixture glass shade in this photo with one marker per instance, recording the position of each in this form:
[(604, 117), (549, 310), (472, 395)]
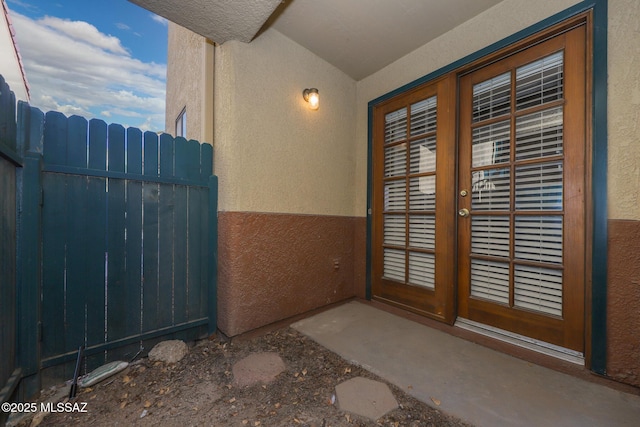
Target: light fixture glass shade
[(312, 97)]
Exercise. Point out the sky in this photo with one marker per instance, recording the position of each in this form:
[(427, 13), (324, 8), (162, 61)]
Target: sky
[(101, 59)]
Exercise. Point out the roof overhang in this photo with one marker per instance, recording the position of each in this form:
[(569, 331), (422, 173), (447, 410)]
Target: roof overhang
[(217, 20)]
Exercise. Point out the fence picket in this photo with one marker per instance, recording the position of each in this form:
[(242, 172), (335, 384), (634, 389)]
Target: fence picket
[(55, 133), (115, 148), (97, 145), (76, 142), (134, 151), (117, 302), (54, 233)]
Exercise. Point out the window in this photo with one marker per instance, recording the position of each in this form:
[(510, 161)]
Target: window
[(181, 123)]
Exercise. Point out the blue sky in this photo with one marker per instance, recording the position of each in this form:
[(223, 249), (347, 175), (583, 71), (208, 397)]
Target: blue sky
[(94, 58)]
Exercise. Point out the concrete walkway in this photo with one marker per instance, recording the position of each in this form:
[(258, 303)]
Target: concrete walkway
[(472, 382)]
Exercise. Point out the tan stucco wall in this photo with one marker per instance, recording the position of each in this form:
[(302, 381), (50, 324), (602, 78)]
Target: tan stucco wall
[(272, 153), (192, 55), (495, 24), (624, 109)]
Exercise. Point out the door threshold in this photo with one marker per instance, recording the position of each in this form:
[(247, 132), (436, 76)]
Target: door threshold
[(522, 341)]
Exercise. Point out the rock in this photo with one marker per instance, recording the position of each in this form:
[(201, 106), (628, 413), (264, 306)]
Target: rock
[(171, 351)]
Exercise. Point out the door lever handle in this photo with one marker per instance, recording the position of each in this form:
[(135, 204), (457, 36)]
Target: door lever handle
[(463, 212)]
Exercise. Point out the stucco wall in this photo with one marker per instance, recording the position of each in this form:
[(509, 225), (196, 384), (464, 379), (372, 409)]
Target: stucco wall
[(192, 55), (272, 153), (624, 109)]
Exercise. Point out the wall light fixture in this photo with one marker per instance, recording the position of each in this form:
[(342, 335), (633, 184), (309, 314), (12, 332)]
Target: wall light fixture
[(312, 97)]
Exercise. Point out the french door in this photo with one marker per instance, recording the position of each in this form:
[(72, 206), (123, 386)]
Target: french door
[(479, 194)]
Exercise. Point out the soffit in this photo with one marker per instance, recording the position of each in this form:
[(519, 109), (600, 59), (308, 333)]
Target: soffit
[(359, 37), (217, 20)]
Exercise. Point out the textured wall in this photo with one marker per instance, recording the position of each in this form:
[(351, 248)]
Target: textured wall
[(623, 299), (495, 24), (624, 109), (189, 55), (274, 266), (623, 284), (273, 154)]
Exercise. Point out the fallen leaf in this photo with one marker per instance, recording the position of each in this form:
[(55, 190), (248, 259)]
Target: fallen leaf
[(277, 405), (436, 401), (123, 404), (245, 422), (347, 370), (147, 404), (233, 399), (304, 371), (257, 423), (348, 417), (126, 379)]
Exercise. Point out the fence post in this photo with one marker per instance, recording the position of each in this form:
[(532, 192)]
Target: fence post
[(212, 300), (30, 134)]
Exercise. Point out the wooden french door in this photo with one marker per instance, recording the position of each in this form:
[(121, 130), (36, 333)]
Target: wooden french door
[(479, 187), (521, 194), (413, 197)]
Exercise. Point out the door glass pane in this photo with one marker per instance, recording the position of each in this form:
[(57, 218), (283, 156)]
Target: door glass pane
[(395, 160), (422, 193), (491, 189), (539, 187), (540, 82), (539, 134), (539, 238), (490, 280), (491, 144), (394, 264), (395, 195), (422, 269), (423, 116), (395, 126), (492, 98), (423, 155), (422, 231), (539, 289), (490, 235), (394, 230)]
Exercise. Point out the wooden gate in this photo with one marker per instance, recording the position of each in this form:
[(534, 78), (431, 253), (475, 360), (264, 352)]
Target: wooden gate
[(109, 241)]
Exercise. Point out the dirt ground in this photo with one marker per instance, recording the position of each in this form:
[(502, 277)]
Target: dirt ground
[(199, 391)]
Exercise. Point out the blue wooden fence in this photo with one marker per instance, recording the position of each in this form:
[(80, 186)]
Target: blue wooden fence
[(117, 243)]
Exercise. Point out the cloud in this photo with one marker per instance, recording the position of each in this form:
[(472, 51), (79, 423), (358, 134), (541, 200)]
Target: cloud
[(122, 26), (81, 31), (159, 19), (74, 68)]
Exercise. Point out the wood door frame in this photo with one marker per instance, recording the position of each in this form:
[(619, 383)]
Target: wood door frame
[(593, 14)]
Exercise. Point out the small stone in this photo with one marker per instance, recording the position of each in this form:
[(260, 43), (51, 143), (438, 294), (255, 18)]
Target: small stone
[(170, 351)]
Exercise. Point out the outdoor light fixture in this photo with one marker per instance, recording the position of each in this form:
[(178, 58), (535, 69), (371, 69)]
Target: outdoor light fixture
[(312, 97)]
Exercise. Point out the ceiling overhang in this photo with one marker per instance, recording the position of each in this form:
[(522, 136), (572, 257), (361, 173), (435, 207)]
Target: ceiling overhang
[(217, 20)]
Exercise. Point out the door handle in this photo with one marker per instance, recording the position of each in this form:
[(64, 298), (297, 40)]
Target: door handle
[(464, 212)]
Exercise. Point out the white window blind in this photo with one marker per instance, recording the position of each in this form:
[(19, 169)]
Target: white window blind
[(490, 235), (539, 289), (490, 280), (422, 231), (492, 98), (422, 269)]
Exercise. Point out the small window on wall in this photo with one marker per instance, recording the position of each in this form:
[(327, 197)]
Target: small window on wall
[(181, 123)]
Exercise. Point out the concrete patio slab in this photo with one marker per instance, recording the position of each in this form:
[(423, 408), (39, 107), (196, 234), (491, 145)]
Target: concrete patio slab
[(365, 397), (477, 384)]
